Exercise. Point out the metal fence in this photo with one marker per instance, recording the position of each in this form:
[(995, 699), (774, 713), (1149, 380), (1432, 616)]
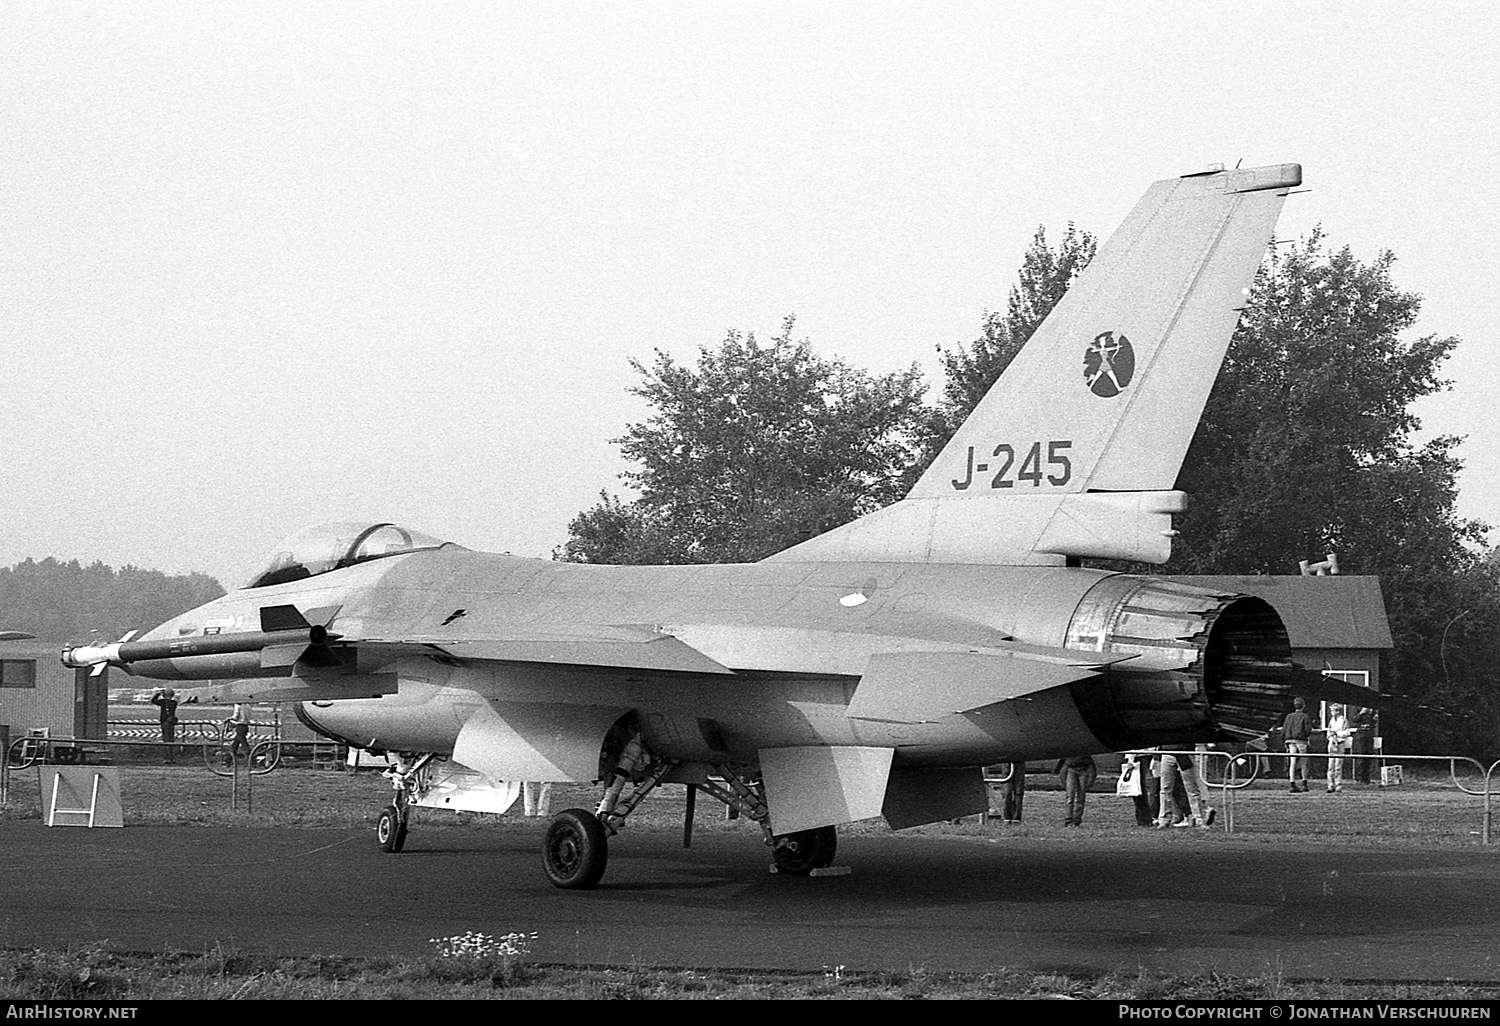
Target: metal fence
[(1235, 771), (1238, 770), (262, 755)]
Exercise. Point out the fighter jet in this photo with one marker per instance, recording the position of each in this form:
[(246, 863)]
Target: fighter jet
[(869, 671)]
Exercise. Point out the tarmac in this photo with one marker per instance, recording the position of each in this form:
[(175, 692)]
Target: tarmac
[(1206, 902)]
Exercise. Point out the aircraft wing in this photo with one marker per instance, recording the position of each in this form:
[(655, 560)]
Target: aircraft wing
[(621, 646), (312, 685), (337, 675)]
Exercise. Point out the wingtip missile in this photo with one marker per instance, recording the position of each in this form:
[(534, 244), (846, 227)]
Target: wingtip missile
[(125, 651)]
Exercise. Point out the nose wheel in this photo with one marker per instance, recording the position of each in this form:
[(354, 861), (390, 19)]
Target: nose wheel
[(575, 850), (390, 830)]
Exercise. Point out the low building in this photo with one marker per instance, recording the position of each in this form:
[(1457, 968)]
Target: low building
[(37, 692)]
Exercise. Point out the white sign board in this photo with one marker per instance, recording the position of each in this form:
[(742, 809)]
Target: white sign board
[(82, 796)]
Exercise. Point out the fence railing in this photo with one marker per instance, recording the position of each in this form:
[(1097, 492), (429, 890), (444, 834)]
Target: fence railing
[(263, 754), (1230, 783)]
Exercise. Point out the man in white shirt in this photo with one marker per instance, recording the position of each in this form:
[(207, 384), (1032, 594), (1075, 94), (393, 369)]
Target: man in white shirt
[(1339, 732)]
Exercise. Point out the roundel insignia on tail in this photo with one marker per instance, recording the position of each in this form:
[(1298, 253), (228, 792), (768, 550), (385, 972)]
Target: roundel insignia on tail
[(1108, 364)]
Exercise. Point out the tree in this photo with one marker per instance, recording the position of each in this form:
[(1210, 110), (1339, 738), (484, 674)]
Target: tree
[(756, 448), (66, 601), (969, 370), (1307, 447), (1312, 412)]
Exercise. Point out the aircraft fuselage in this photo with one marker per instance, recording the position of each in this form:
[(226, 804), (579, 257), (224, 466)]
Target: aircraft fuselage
[(798, 638)]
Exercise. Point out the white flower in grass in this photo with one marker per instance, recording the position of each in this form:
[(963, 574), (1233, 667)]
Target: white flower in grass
[(476, 946)]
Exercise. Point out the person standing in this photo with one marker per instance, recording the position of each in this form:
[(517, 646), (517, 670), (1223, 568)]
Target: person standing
[(1362, 743), (1182, 803), (1192, 781), (1014, 795), (1171, 808), (1339, 732), (1078, 774), (1296, 732), (165, 700), (1140, 785), (239, 720)]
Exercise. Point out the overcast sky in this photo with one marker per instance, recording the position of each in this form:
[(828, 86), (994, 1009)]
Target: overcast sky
[(264, 265)]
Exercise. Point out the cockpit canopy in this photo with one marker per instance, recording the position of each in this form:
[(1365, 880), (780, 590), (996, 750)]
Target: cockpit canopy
[(335, 546)]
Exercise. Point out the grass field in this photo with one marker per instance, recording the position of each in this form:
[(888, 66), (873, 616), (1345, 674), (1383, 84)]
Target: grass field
[(1429, 810), (1425, 813), (95, 973)]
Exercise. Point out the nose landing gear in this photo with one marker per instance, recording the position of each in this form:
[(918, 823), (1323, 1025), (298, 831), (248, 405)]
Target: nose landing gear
[(407, 779), (390, 828)]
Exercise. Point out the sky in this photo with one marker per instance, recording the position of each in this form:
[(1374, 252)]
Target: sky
[(266, 265)]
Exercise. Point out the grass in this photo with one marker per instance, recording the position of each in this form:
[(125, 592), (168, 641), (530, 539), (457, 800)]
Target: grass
[(95, 972), (1429, 811), (1426, 813)]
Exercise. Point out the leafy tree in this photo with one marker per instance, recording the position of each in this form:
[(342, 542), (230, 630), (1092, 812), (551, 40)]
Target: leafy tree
[(756, 448), (1307, 447), (1311, 413), (66, 601), (969, 370), (616, 531)]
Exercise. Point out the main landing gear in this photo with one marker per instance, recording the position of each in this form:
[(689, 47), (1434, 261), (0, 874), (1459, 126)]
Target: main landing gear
[(796, 854), (575, 850), (804, 851)]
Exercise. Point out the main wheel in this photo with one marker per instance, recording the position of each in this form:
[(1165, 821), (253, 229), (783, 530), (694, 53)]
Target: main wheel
[(390, 831), (806, 850), (575, 850)]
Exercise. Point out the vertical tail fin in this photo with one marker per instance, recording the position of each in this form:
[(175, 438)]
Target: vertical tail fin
[(1075, 449)]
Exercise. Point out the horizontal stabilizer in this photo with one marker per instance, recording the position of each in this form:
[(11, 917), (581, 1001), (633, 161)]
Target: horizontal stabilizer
[(808, 788), (920, 687), (1317, 687)]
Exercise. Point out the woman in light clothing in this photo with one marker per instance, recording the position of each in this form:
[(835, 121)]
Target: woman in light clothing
[(1339, 732), (1174, 767)]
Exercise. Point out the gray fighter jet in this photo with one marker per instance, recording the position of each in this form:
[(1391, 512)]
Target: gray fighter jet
[(869, 671)]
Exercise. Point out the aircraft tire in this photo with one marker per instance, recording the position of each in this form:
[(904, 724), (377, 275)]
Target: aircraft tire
[(575, 850), (390, 832), (800, 853)]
